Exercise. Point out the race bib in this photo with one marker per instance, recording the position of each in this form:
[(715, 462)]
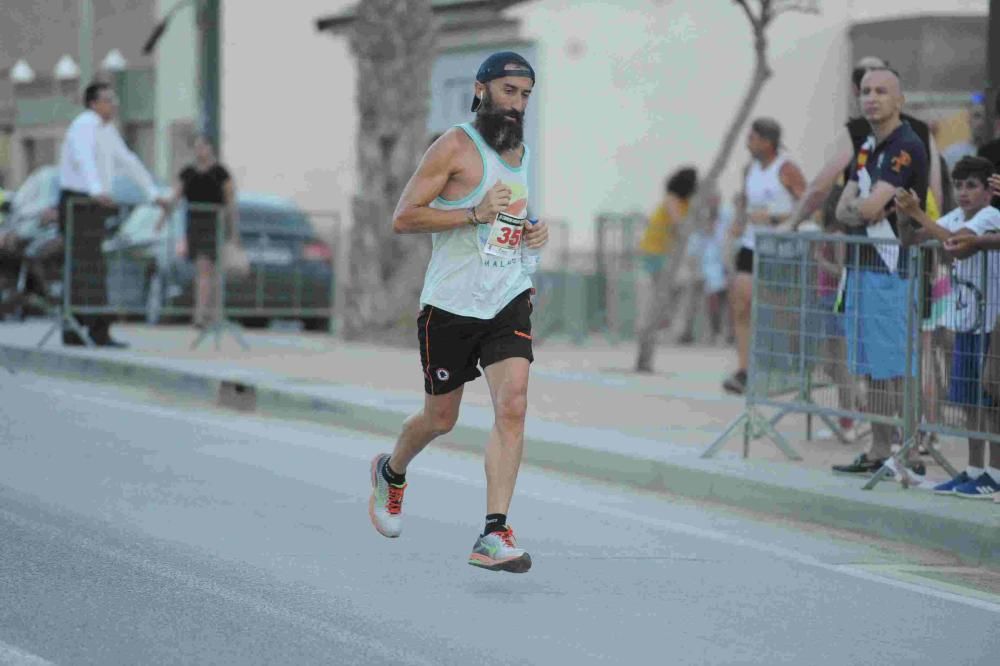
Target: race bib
[(504, 238)]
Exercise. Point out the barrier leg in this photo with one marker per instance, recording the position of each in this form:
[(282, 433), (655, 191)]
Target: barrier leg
[(755, 425), (741, 420), (774, 420), (219, 322), (896, 464), (62, 321), (218, 329), (778, 439), (881, 474), (940, 459)]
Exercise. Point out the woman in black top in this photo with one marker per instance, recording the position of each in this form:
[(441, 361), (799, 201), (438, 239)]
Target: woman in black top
[(206, 181)]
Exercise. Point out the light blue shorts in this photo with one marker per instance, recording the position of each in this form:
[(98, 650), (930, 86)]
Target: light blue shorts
[(875, 320)]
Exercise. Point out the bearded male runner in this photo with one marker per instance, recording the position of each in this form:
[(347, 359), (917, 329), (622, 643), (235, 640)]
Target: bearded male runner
[(470, 192)]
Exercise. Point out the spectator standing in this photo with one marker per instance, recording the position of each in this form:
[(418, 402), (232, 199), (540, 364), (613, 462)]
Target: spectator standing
[(877, 286), (973, 217), (92, 153), (659, 236), (206, 182)]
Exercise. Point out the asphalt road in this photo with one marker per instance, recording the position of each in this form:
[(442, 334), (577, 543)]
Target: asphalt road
[(140, 532)]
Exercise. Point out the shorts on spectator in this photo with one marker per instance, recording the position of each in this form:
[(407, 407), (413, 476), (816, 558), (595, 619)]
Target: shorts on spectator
[(875, 321), (964, 387), (652, 264)]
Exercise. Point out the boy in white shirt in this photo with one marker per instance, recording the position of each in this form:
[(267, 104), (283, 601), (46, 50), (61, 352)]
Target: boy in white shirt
[(973, 217)]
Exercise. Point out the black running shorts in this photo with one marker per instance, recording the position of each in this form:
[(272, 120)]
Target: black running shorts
[(452, 345)]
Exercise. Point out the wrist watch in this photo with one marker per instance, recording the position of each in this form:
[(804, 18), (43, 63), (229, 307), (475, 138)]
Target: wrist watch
[(470, 217)]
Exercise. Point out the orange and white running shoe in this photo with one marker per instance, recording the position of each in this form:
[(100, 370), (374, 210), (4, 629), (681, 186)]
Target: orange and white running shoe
[(385, 508), (498, 551)]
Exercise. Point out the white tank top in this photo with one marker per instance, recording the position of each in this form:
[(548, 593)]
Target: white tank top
[(462, 278), (764, 190)]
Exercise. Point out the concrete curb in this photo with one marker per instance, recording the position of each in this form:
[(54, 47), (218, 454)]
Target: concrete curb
[(969, 530)]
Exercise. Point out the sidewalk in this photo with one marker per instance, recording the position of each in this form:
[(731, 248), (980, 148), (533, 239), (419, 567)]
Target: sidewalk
[(588, 414)]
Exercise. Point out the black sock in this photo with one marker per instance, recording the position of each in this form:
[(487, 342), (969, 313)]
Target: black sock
[(390, 476), (495, 522)]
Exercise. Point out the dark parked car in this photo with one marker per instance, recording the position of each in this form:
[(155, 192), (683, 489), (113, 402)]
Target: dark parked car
[(291, 271)]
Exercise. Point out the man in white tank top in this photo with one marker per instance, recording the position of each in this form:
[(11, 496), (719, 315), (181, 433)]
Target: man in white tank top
[(470, 192), (772, 185)]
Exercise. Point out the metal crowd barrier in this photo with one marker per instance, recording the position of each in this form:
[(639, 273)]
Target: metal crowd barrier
[(117, 264), (835, 334)]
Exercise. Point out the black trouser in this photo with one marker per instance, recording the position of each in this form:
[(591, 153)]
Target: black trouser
[(88, 274)]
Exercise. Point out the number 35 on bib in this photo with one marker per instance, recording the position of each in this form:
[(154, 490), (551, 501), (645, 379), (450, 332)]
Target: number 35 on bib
[(505, 236)]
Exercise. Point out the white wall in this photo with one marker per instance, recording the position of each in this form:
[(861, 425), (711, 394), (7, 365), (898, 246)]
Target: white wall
[(288, 119)]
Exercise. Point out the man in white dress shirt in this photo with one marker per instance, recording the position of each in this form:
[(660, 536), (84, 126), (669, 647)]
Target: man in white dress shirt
[(92, 153)]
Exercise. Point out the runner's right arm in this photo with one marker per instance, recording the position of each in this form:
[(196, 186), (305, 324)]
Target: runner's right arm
[(440, 163)]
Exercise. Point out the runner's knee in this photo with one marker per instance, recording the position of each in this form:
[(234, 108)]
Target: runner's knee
[(512, 407), (441, 419)]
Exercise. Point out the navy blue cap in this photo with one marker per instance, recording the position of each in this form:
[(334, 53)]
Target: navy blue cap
[(499, 65)]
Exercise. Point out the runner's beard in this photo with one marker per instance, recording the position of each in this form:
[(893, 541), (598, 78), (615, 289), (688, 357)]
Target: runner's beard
[(500, 132)]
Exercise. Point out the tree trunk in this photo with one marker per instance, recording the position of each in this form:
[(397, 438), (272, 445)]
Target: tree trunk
[(393, 42), (664, 284)]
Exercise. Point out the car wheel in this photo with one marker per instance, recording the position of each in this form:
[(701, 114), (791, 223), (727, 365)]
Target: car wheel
[(316, 324), (254, 322), (154, 298)]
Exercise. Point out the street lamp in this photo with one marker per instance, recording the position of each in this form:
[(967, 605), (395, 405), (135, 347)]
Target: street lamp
[(66, 69), (114, 62), (21, 72)]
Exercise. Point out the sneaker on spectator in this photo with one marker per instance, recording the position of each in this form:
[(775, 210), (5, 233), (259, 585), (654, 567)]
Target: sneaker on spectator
[(736, 383), (914, 473), (948, 487), (982, 488), (862, 464)]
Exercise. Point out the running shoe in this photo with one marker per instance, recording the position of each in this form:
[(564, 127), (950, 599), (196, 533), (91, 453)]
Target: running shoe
[(498, 551), (385, 508)]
